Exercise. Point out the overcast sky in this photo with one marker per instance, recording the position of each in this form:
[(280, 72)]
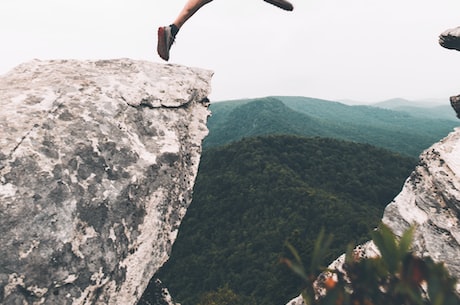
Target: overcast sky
[(364, 50)]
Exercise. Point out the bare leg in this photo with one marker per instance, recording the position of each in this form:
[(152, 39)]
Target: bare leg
[(190, 8), (167, 34)]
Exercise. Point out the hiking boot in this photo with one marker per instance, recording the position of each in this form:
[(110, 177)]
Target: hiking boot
[(165, 41), (455, 102), (283, 4)]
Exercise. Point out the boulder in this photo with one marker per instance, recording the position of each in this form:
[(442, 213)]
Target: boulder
[(450, 39), (97, 165)]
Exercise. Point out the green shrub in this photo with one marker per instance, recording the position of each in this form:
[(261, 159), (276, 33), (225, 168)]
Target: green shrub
[(396, 277)]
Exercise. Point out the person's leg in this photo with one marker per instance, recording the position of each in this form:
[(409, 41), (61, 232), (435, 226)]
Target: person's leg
[(190, 8), (167, 34)]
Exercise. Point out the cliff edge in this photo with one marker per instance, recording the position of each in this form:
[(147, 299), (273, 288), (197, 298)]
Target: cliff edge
[(97, 164)]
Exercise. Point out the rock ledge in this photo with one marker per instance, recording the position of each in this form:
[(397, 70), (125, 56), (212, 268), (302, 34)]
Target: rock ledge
[(97, 165)]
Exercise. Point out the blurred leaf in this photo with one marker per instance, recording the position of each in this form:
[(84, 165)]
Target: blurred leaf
[(406, 241), (385, 241), (297, 265), (320, 250)]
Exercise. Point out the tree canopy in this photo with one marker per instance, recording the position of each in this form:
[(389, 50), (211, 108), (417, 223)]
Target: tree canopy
[(252, 196)]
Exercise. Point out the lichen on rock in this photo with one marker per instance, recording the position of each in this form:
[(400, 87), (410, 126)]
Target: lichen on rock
[(97, 165)]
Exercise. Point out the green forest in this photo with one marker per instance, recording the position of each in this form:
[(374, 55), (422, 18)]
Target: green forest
[(254, 195), (403, 132)]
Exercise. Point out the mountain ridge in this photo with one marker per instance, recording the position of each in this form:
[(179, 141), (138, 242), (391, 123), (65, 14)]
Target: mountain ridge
[(395, 130)]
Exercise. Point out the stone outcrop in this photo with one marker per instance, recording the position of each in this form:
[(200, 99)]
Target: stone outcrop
[(455, 102), (450, 39), (430, 200), (156, 294), (97, 164)]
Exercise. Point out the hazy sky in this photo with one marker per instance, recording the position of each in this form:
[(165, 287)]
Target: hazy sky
[(363, 50)]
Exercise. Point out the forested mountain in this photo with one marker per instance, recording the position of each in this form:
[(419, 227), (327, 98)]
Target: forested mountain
[(426, 109), (398, 131), (253, 195)]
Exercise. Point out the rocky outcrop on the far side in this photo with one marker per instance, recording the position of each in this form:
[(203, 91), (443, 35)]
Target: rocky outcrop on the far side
[(430, 200), (450, 39)]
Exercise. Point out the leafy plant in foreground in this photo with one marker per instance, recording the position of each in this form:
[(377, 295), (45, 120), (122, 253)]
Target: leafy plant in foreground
[(396, 277)]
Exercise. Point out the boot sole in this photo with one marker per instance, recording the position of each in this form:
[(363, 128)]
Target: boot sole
[(161, 46)]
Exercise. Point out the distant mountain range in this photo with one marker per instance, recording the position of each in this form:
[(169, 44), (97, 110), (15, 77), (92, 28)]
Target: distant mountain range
[(395, 124), (398, 102), (434, 109), (427, 103)]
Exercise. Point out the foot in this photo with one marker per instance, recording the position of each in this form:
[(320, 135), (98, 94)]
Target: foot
[(283, 4), (165, 41)]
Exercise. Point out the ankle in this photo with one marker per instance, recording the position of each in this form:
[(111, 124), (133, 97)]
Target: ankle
[(174, 29)]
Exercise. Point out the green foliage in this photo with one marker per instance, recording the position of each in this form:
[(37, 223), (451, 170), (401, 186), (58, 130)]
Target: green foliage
[(398, 131), (392, 250), (395, 277), (317, 261), (252, 196)]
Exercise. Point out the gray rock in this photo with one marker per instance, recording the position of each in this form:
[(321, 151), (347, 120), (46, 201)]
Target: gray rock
[(450, 39), (455, 103), (430, 200), (156, 294), (97, 165)]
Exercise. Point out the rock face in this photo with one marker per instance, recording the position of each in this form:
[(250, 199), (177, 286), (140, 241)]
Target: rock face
[(450, 39), (97, 165), (430, 200), (455, 102)]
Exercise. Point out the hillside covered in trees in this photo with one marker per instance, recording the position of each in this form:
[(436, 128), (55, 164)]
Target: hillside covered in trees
[(403, 132), (253, 195)]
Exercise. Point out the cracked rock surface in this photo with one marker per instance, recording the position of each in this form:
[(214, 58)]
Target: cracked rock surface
[(430, 200), (97, 165)]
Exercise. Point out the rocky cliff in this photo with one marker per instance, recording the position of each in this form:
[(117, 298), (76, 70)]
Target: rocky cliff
[(97, 165), (450, 39), (430, 200)]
